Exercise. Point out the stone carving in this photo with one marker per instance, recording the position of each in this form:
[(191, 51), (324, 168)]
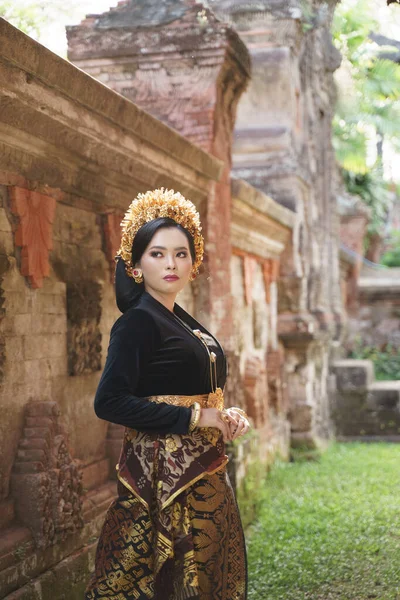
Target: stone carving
[(46, 483), (34, 233), (84, 335), (112, 234)]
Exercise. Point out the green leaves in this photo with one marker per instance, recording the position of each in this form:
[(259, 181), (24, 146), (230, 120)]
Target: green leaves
[(350, 144), (374, 192), (391, 258), (381, 80), (368, 108)]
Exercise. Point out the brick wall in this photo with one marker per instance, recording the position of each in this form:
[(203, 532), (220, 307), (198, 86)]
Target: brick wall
[(73, 155)]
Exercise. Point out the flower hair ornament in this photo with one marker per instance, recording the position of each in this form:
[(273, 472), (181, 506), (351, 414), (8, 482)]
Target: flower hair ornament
[(152, 205)]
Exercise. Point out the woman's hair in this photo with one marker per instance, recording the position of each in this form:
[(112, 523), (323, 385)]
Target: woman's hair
[(127, 291)]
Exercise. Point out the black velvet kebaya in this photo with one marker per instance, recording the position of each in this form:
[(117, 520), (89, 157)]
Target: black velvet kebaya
[(151, 353)]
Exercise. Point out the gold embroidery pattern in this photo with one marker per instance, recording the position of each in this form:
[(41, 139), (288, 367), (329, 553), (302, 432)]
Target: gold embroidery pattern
[(211, 400), (208, 558)]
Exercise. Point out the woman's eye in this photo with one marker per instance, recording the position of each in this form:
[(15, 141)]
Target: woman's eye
[(156, 253)]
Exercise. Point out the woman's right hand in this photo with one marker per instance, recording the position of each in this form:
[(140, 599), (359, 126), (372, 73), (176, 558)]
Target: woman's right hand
[(212, 417)]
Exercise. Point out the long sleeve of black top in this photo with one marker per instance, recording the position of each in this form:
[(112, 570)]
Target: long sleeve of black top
[(134, 339)]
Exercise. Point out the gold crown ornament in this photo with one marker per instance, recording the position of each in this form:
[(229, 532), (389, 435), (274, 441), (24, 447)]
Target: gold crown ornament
[(152, 205)]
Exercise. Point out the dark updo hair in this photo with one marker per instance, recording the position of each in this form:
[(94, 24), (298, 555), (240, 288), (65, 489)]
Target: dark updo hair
[(127, 291)]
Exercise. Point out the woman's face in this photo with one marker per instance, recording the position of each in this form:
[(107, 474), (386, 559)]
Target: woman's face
[(166, 263)]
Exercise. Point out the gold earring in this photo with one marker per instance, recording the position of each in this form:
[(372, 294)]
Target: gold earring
[(137, 275), (193, 275)]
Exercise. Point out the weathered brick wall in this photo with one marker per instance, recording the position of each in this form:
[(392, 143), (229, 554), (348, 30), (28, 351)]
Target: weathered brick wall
[(73, 155)]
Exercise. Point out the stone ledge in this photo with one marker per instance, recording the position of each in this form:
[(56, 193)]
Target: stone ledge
[(40, 63), (365, 409), (244, 191), (353, 375), (72, 574), (384, 395)]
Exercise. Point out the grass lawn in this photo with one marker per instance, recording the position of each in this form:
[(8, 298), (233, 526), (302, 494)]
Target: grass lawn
[(330, 529)]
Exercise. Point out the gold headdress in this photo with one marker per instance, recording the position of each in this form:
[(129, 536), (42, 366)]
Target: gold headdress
[(155, 204)]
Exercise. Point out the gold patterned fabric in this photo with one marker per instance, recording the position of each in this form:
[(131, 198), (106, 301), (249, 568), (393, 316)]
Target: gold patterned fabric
[(174, 533), (209, 558)]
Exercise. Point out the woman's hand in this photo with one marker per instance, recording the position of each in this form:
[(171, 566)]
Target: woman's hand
[(212, 417), (239, 424)]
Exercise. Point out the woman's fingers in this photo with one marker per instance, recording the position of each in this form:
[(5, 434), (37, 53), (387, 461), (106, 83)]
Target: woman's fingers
[(239, 430)]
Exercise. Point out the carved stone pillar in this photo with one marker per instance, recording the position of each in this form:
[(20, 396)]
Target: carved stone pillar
[(282, 145)]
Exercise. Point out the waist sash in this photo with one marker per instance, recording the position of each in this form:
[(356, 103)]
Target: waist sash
[(157, 468)]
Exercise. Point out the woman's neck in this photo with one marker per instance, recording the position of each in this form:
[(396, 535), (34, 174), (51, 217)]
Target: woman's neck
[(168, 300)]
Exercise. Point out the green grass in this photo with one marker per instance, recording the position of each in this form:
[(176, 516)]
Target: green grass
[(329, 529)]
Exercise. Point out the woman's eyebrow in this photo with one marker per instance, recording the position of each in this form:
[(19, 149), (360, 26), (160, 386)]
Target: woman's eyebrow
[(164, 248)]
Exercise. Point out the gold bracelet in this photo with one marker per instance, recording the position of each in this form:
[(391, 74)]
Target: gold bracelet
[(225, 416), (195, 418)]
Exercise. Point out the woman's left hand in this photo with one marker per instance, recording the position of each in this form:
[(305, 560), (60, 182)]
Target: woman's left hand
[(238, 425)]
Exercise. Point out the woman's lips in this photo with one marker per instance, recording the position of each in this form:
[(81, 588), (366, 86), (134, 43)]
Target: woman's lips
[(171, 278)]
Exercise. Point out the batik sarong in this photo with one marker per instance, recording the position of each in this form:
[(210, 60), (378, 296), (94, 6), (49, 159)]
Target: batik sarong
[(174, 532)]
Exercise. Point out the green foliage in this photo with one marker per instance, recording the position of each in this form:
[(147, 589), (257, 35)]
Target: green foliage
[(374, 192), (33, 16), (329, 529), (350, 144), (368, 107), (391, 257), (352, 23), (386, 359)]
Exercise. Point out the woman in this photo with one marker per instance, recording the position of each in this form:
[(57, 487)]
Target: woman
[(174, 532)]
